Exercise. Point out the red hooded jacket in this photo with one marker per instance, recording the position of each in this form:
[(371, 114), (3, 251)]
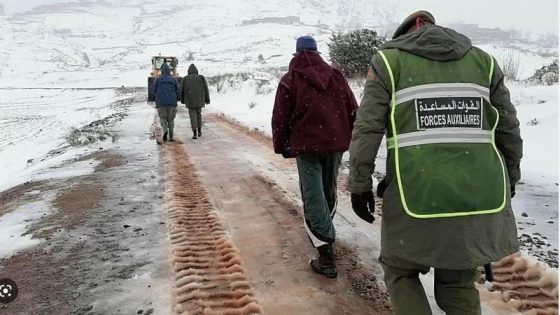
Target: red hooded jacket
[(314, 110)]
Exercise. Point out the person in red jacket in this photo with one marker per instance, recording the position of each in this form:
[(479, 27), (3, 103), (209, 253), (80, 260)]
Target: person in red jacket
[(312, 120)]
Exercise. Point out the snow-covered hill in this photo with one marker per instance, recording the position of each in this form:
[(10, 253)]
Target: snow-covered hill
[(107, 44), (110, 43)]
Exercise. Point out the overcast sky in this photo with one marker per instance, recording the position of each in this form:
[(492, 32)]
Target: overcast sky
[(537, 16)]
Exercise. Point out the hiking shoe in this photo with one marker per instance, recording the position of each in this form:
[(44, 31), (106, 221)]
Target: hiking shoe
[(165, 136), (199, 132), (328, 271), (324, 263)]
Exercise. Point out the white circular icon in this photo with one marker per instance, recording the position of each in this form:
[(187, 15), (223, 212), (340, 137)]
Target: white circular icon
[(8, 290)]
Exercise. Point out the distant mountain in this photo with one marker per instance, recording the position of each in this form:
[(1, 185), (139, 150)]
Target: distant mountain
[(486, 35), (110, 43)]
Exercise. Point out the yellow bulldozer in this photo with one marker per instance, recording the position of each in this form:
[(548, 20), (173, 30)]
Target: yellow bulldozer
[(157, 62)]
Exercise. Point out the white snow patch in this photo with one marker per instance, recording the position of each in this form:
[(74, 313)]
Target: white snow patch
[(67, 170), (34, 124), (537, 111), (529, 58), (58, 167), (246, 107), (14, 225)]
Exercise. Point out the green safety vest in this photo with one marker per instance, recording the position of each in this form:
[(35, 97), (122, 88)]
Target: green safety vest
[(442, 135)]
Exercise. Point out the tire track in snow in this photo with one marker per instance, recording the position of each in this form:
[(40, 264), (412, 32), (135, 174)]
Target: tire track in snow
[(524, 285), (209, 277)]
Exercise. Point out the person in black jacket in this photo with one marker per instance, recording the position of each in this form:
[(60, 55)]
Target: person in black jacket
[(195, 96)]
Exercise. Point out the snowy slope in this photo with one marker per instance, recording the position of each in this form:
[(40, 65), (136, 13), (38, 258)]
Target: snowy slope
[(110, 44), (36, 124), (100, 44)]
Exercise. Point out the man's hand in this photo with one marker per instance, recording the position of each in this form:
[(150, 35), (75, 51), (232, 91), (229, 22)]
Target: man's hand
[(364, 206), (512, 190), (381, 187)]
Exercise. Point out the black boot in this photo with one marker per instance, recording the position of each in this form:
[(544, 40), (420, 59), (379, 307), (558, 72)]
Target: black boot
[(171, 135), (194, 133), (199, 132), (165, 136), (324, 263)]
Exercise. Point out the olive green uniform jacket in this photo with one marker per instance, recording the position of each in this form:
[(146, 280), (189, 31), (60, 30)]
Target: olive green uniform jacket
[(447, 243)]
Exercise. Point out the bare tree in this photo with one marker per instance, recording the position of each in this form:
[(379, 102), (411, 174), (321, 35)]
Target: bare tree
[(510, 64)]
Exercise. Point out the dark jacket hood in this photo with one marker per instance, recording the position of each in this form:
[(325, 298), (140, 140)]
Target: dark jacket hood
[(165, 70), (192, 69), (433, 42), (313, 68)]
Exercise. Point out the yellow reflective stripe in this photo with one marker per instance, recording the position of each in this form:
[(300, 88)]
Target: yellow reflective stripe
[(394, 142), (490, 75), (395, 136)]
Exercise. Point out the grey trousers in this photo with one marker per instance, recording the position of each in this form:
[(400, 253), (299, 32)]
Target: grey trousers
[(195, 114), (454, 290), (167, 118), (317, 180)]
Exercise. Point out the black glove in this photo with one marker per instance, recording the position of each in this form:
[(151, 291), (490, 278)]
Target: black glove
[(364, 205), (381, 186), (512, 190)]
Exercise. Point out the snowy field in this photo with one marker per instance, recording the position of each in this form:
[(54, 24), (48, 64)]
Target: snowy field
[(40, 127)]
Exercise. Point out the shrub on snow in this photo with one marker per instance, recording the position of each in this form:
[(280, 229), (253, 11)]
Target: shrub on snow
[(547, 75), (352, 51)]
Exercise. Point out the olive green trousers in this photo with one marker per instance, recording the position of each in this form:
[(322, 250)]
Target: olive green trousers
[(454, 290), (167, 118)]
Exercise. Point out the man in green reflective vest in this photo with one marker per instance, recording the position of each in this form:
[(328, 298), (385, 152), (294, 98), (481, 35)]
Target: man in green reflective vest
[(454, 153)]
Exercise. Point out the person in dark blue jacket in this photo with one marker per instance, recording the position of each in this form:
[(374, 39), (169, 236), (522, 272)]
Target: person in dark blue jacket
[(166, 90)]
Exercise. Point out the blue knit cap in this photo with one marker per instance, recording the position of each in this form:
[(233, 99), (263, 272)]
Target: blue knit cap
[(307, 43)]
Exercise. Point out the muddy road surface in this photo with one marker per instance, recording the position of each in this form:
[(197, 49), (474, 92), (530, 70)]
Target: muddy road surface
[(256, 197)]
